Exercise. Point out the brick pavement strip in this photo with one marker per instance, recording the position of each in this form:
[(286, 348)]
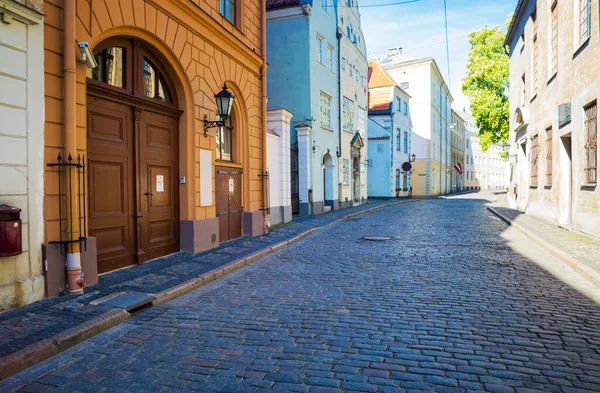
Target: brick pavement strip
[(43, 349), (580, 267)]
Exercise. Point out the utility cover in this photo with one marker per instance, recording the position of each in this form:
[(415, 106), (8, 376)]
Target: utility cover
[(128, 301)]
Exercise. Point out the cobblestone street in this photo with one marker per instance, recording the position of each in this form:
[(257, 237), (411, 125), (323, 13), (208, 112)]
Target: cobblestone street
[(448, 304)]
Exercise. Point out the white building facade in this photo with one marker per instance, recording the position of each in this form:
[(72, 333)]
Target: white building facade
[(22, 146), (431, 117), (389, 108), (554, 91)]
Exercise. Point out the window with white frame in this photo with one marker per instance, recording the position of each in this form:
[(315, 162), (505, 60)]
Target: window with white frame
[(343, 63), (320, 49), (348, 115), (330, 57), (405, 108), (406, 141), (585, 20), (398, 139), (324, 4), (398, 104), (325, 111), (534, 52), (404, 85), (397, 179), (361, 121), (554, 39)]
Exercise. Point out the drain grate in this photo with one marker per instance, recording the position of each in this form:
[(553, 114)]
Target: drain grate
[(377, 238)]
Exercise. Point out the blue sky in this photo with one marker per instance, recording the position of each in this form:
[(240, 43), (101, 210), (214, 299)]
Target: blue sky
[(419, 29)]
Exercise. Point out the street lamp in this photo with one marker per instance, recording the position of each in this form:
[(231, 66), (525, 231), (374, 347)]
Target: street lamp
[(224, 100), (413, 158)]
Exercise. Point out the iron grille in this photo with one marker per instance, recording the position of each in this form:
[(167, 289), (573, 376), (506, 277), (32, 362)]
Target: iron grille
[(591, 144)]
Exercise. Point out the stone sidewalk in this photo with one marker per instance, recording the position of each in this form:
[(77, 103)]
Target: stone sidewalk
[(40, 330), (580, 251)]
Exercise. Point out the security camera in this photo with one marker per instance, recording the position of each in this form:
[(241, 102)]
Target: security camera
[(86, 55)]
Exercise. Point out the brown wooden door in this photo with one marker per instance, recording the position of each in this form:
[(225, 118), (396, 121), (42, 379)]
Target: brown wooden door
[(111, 180), (228, 184), (159, 185)]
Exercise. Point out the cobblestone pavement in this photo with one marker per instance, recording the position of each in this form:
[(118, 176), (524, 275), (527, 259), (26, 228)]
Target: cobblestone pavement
[(447, 305), (44, 319)]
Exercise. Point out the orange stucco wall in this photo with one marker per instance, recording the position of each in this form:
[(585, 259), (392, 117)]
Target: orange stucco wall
[(202, 51)]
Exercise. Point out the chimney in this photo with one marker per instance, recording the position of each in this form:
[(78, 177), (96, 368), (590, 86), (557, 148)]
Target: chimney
[(394, 51)]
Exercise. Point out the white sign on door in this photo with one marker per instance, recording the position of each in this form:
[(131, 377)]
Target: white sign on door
[(231, 185), (160, 183)]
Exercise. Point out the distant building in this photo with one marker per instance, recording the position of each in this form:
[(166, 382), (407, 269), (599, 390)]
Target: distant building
[(389, 135), (554, 92), (431, 101), (457, 161), (484, 170)]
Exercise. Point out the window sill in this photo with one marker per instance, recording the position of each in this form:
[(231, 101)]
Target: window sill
[(588, 186), (552, 78), (533, 98), (533, 187), (326, 129), (548, 187), (581, 47)]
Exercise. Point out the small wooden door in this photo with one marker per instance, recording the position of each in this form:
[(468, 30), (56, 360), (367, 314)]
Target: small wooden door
[(111, 180), (159, 185), (228, 184)]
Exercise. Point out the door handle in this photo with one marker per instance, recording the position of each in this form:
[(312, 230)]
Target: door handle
[(148, 193)]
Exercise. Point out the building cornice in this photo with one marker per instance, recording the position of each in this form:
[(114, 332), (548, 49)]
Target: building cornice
[(20, 12)]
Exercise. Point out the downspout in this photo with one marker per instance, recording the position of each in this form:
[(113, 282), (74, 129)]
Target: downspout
[(70, 123), (263, 75), (338, 35)]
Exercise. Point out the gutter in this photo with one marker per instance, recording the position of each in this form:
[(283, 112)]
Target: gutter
[(263, 108)]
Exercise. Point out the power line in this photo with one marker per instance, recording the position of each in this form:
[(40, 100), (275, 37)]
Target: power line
[(447, 46)]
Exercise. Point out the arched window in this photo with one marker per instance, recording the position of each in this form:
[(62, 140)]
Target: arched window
[(135, 71), (225, 140)]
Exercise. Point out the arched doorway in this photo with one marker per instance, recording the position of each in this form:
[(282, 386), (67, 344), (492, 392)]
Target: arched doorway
[(356, 179), (328, 184), (133, 155)]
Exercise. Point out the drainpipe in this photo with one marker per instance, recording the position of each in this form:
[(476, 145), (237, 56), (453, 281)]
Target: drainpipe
[(338, 35), (75, 281), (263, 76)]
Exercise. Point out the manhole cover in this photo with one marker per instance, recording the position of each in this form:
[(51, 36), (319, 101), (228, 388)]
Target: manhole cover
[(377, 238)]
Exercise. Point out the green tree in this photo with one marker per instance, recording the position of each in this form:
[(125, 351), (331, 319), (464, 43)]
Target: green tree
[(486, 84)]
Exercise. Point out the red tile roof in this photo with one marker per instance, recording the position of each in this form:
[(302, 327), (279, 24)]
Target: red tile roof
[(272, 4), (380, 101), (378, 77)]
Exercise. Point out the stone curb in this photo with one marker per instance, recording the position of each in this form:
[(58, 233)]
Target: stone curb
[(577, 265), (60, 342)]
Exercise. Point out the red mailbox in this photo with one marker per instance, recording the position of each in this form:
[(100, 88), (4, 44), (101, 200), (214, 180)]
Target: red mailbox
[(10, 231)]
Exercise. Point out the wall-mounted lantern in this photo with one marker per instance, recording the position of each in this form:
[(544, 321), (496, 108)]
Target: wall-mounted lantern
[(413, 158), (224, 101)]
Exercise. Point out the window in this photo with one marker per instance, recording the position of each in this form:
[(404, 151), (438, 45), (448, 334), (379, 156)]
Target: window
[(361, 125), (591, 144), (343, 63), (404, 85), (346, 171), (398, 104), (223, 140), (585, 20), (554, 40), (154, 83), (397, 179), (406, 141), (325, 111), (534, 160), (111, 63), (467, 145), (549, 156), (535, 51), (351, 71), (348, 115), (330, 57), (228, 10), (467, 158), (398, 139), (324, 4), (405, 180), (320, 50), (406, 108)]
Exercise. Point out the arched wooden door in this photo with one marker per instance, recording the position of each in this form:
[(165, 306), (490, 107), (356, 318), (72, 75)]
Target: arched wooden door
[(132, 145)]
